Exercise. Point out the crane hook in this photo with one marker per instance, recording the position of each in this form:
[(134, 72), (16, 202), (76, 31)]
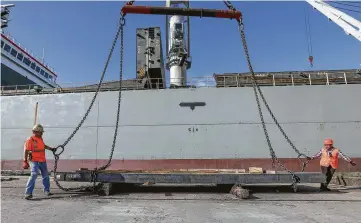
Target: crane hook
[(310, 58)]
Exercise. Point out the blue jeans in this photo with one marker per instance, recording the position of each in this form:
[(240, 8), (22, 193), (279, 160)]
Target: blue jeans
[(35, 167)]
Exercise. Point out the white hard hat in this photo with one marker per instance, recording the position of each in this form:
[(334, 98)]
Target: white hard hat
[(38, 128)]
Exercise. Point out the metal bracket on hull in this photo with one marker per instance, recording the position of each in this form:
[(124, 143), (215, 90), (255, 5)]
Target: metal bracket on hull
[(192, 105)]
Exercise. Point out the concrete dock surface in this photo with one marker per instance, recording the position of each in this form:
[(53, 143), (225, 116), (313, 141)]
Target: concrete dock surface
[(179, 204)]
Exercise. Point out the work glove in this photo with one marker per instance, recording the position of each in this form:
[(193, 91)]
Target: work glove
[(353, 163), (25, 164), (309, 158), (52, 149)]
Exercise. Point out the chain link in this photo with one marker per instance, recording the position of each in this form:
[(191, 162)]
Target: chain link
[(256, 87), (56, 155)]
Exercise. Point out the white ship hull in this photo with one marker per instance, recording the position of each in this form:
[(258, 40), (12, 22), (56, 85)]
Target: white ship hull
[(155, 132)]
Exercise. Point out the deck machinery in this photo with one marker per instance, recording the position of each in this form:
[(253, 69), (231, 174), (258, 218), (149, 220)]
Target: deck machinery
[(178, 61)]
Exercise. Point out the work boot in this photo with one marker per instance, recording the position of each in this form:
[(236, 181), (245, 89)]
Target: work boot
[(48, 194), (28, 196), (322, 187)]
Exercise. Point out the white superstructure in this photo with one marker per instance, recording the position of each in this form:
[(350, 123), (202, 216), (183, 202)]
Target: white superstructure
[(21, 67)]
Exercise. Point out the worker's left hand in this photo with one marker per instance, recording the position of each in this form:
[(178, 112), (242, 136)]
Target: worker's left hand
[(353, 163), (25, 164)]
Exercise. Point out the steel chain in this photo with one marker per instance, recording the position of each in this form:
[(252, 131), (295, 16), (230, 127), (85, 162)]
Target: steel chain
[(256, 87), (56, 155)]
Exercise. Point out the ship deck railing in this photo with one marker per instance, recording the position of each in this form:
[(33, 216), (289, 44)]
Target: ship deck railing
[(218, 81)]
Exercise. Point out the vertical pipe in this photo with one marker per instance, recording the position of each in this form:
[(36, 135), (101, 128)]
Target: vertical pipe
[(97, 141), (36, 113), (344, 75), (273, 79), (293, 84), (309, 78), (166, 35), (328, 82), (189, 36)]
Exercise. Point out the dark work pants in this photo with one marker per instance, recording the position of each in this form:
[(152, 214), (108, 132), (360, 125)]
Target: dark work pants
[(328, 172)]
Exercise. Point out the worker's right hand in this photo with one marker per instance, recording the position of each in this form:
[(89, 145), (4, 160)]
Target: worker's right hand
[(309, 158), (25, 164), (353, 163)]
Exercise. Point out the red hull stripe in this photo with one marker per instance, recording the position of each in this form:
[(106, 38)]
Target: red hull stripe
[(3, 36), (173, 164)]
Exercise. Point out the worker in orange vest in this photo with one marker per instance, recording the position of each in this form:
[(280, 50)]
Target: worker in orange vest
[(34, 153), (329, 161)]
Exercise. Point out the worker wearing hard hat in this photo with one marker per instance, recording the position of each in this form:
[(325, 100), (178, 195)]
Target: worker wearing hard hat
[(329, 161), (34, 153)]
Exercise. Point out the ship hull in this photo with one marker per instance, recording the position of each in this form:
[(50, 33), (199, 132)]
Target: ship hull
[(157, 131)]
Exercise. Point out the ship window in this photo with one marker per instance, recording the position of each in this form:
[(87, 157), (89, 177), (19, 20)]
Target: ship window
[(50, 77), (37, 69), (20, 57), (2, 44), (7, 47), (42, 72), (14, 52), (27, 61), (46, 75), (33, 65)]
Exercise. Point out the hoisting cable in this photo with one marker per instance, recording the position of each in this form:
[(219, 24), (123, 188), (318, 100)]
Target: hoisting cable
[(120, 32), (308, 35), (256, 87), (345, 4), (342, 3)]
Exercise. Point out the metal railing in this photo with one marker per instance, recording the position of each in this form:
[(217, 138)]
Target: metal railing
[(219, 81), (289, 79)]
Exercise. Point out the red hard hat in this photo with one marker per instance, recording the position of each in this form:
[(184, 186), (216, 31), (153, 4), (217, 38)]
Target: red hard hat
[(328, 142)]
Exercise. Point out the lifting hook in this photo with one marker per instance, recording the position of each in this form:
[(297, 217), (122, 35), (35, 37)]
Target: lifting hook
[(310, 58)]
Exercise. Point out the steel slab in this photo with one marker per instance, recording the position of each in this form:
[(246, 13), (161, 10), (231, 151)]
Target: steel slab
[(190, 178)]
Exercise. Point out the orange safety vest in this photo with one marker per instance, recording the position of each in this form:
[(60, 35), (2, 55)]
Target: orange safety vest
[(327, 160), (37, 147)]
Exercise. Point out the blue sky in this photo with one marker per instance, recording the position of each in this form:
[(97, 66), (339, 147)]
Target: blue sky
[(77, 37)]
